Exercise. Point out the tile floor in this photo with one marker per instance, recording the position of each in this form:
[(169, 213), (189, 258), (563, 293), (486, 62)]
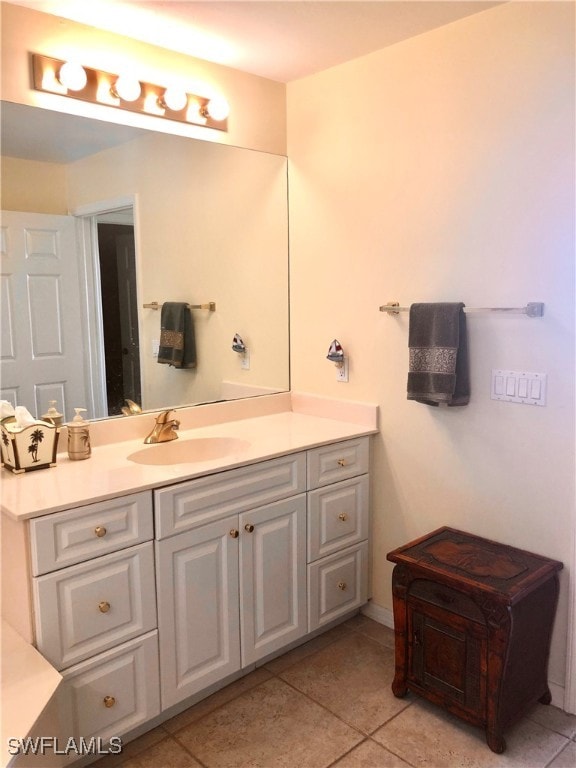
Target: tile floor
[(329, 703)]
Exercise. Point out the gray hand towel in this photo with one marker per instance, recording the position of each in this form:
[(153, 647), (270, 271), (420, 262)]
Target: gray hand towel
[(177, 341), (438, 371)]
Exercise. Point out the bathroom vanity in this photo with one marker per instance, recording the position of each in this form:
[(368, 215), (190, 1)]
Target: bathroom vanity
[(185, 570)]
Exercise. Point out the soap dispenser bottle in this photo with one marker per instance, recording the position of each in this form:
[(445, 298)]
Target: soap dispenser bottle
[(79, 437), (52, 416)]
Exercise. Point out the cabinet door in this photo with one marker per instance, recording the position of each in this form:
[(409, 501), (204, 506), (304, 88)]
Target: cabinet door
[(447, 657), (198, 609), (272, 577)]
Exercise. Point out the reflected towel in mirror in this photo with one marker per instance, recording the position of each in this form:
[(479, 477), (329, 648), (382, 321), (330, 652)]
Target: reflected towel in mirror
[(177, 341)]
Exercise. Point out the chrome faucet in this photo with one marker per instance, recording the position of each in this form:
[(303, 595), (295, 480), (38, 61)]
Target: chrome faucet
[(164, 429)]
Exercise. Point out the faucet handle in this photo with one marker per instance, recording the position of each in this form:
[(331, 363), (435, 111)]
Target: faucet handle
[(163, 417)]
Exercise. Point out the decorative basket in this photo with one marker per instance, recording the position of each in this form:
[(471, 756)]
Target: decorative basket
[(27, 448)]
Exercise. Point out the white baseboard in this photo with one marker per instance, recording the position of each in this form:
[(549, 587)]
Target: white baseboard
[(378, 613)]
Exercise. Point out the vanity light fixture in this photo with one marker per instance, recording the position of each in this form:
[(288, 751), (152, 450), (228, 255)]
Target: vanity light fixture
[(126, 88), (127, 92), (174, 99), (72, 76), (217, 108)]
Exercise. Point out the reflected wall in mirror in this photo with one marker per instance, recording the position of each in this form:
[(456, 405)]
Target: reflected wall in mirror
[(210, 225)]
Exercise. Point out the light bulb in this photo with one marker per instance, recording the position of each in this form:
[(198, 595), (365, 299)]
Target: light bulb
[(72, 76), (174, 99), (217, 108), (126, 88)]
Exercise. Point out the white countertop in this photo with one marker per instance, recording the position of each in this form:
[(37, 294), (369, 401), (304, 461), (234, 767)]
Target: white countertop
[(110, 473)]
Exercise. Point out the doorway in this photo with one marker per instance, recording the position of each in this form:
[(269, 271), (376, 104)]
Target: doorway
[(117, 268)]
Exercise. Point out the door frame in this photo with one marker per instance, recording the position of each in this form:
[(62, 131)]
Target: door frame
[(86, 216)]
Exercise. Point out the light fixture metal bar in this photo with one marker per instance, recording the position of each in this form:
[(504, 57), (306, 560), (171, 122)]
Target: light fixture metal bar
[(98, 87)]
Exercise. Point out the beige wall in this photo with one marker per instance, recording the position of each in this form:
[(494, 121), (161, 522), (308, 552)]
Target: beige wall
[(28, 185), (257, 105), (442, 169)]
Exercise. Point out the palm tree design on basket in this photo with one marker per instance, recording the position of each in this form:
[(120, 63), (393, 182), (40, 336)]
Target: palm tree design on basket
[(35, 439)]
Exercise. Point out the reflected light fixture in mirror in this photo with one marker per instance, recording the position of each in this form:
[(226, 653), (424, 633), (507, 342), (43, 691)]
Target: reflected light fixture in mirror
[(97, 86)]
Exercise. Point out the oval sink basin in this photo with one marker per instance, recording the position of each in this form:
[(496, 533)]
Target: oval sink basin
[(189, 451)]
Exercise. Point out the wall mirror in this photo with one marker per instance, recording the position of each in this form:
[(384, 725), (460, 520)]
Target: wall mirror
[(164, 219)]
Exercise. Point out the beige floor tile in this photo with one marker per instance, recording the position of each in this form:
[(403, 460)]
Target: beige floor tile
[(271, 726), (428, 737), (351, 678), (216, 700), (371, 628), (133, 748), (306, 649), (566, 758), (370, 755), (166, 754), (555, 719)]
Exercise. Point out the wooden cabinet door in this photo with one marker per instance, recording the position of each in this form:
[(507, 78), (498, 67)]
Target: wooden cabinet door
[(447, 657), (272, 577), (198, 609)]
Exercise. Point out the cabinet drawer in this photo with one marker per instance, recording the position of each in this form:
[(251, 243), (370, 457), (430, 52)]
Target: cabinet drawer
[(202, 501), (65, 538), (337, 516), (337, 584), (332, 463), (90, 607), (112, 693)]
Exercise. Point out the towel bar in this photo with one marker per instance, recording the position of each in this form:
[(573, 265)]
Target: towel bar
[(211, 306), (532, 309)]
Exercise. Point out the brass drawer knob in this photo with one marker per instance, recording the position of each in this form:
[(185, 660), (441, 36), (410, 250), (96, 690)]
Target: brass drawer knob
[(342, 585), (343, 516), (104, 606), (249, 527), (100, 531), (109, 701), (341, 462), (234, 533)]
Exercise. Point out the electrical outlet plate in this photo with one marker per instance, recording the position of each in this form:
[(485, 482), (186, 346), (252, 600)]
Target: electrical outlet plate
[(342, 371)]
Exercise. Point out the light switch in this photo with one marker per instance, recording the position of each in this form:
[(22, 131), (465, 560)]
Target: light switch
[(519, 387), (522, 387)]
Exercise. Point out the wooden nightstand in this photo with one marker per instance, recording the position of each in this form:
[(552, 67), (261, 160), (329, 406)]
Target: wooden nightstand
[(472, 621)]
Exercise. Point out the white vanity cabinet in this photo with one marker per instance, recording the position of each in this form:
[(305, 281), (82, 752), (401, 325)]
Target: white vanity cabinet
[(232, 582), (95, 618), (253, 559), (149, 601), (338, 523)]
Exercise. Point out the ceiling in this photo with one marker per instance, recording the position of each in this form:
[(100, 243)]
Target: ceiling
[(282, 41)]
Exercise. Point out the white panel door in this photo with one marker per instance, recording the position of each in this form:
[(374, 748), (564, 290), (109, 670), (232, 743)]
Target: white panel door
[(272, 577), (42, 344)]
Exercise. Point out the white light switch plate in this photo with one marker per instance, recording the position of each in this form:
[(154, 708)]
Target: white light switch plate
[(518, 387)]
